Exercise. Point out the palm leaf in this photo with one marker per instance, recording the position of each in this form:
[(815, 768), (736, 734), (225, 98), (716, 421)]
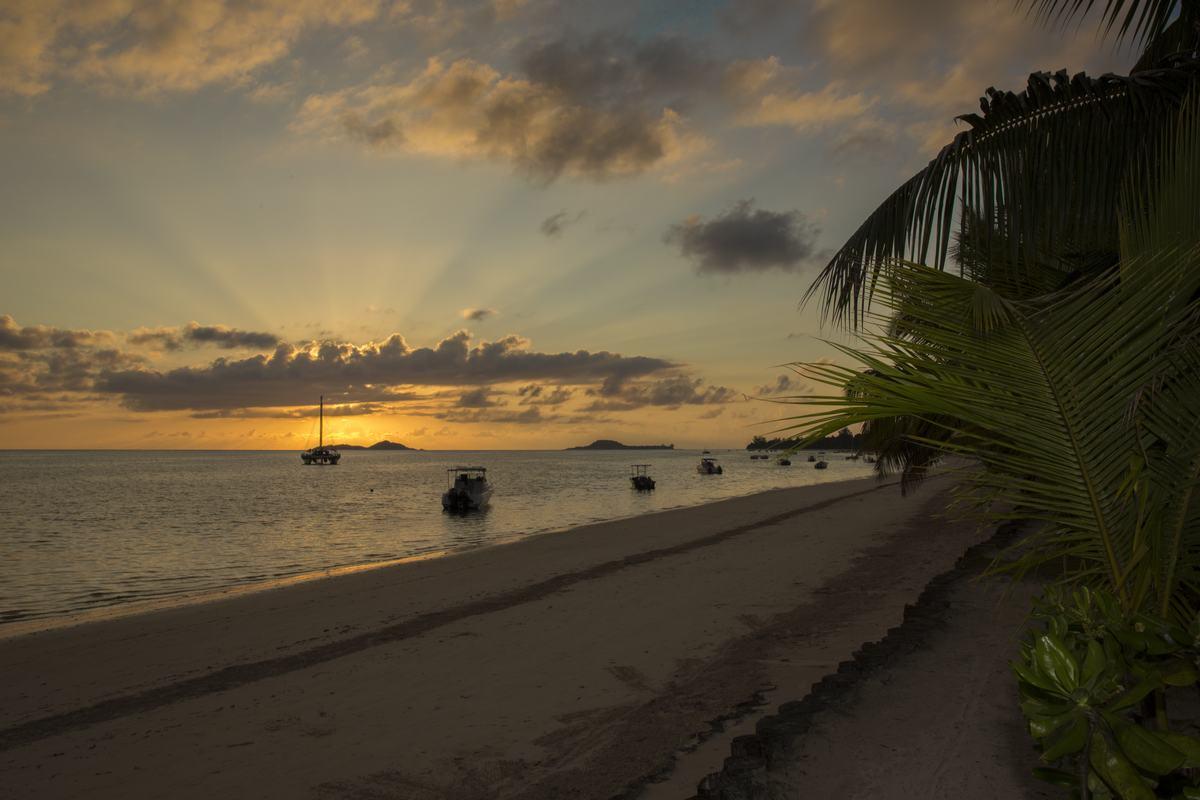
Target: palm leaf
[(1041, 399), (1043, 169), (1145, 22)]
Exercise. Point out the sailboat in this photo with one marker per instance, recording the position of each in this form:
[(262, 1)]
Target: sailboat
[(321, 454)]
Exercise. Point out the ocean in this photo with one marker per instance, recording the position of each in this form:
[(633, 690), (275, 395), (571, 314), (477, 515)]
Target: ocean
[(91, 530)]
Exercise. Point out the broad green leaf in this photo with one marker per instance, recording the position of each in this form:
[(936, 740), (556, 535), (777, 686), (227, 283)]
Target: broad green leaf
[(1133, 696), (1144, 748), (1057, 777), (1054, 660), (1068, 740), (1188, 745), (1034, 677), (1116, 771), (1180, 673), (1093, 663)]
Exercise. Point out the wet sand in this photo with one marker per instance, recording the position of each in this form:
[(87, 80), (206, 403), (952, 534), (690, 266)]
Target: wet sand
[(576, 664)]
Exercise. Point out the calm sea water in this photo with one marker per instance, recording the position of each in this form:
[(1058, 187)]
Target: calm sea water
[(89, 530)]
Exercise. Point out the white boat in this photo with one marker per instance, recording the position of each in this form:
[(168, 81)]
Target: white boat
[(321, 455), (709, 466), (469, 489)]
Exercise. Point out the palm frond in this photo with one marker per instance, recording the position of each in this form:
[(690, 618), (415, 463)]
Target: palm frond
[(1041, 396), (1043, 169), (1143, 22)]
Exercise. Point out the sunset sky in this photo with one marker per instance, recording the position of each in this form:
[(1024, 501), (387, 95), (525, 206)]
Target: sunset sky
[(490, 224)]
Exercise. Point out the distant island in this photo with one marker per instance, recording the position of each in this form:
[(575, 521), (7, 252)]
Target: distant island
[(843, 440), (612, 444), (384, 445)]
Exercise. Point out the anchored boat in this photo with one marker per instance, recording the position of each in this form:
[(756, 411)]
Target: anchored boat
[(321, 455), (784, 461), (709, 466), (639, 476), (469, 489), (821, 465)]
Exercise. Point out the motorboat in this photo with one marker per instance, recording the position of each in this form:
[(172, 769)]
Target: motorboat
[(469, 489), (321, 455), (709, 466), (784, 461), (811, 459), (821, 465), (639, 476)]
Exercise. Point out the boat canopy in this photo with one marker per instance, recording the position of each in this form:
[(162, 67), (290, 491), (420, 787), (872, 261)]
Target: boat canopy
[(467, 469)]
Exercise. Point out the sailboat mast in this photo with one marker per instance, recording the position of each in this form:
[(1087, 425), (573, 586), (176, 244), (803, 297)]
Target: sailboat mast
[(321, 429)]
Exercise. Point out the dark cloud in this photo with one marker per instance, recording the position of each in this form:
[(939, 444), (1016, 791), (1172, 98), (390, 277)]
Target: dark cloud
[(783, 383), (599, 106), (229, 338), (606, 69), (534, 395), (30, 374), (619, 394), (528, 416), (366, 373), (196, 334), (746, 239), (477, 314), (37, 337), (477, 398), (555, 224), (347, 410)]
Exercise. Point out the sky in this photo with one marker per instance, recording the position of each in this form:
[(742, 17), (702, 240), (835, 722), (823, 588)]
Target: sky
[(475, 224)]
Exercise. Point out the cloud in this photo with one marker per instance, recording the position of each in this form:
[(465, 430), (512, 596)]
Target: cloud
[(362, 373), (30, 373), (196, 334), (534, 395), (619, 394), (528, 416), (477, 398), (555, 224), (477, 314), (151, 46), (545, 122), (618, 70), (783, 383), (34, 337), (746, 239), (345, 410), (808, 110), (913, 65)]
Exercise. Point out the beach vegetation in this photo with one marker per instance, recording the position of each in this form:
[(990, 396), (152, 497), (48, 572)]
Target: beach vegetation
[(1060, 359)]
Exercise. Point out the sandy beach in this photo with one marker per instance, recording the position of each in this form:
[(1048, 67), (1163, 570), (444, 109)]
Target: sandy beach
[(575, 664)]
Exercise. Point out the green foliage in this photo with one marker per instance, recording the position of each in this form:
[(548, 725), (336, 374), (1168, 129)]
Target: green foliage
[(1040, 172), (1084, 673)]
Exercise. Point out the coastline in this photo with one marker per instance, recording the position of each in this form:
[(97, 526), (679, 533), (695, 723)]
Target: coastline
[(135, 608), (549, 653)]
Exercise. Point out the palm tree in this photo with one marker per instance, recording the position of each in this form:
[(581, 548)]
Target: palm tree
[(1037, 174), (1082, 405)]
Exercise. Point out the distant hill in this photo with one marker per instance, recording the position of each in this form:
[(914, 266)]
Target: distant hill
[(384, 445), (612, 444)]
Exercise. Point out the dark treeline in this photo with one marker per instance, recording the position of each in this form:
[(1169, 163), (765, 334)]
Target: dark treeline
[(843, 440)]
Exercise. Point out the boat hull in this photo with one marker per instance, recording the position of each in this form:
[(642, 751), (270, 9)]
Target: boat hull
[(459, 500)]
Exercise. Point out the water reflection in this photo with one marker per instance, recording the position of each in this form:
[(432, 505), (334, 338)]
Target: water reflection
[(85, 530)]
